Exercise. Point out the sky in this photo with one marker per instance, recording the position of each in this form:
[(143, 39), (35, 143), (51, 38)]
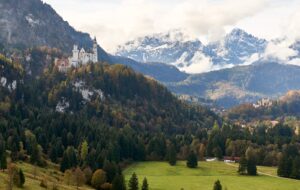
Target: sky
[(114, 22)]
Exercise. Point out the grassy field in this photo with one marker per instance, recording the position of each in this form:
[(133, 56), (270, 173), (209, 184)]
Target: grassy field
[(34, 175), (161, 176)]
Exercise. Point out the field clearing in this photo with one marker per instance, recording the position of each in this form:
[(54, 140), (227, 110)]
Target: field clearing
[(162, 176)]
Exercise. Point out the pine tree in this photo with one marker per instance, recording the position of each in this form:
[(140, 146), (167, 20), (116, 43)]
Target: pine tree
[(111, 170), (217, 185), (296, 168), (118, 183), (3, 162), (251, 167), (22, 178), (285, 166), (84, 151), (171, 155), (192, 160), (145, 185), (243, 166), (133, 182)]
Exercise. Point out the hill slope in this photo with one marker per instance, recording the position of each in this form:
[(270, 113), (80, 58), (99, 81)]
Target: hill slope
[(233, 86)]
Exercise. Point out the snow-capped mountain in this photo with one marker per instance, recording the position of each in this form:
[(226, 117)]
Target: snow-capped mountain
[(171, 48), (192, 56), (236, 48)]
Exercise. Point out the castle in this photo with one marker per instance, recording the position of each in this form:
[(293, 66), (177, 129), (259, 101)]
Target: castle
[(78, 58)]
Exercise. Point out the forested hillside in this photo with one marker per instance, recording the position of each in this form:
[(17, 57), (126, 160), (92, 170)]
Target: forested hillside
[(122, 115), (286, 106)]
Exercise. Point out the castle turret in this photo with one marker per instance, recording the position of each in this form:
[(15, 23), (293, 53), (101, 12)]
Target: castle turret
[(75, 57), (95, 50)]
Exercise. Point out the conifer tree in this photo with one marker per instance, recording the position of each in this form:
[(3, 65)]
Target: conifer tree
[(133, 182), (22, 178), (243, 165), (296, 168), (111, 170), (251, 167), (3, 161), (171, 156), (192, 160), (118, 183), (145, 185), (217, 185), (84, 151)]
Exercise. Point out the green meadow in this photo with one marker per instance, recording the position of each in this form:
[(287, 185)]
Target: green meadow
[(162, 176)]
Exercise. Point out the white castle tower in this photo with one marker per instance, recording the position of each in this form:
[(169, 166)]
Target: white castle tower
[(95, 51)]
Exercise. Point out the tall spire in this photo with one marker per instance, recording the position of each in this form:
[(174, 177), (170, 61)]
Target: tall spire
[(95, 50)]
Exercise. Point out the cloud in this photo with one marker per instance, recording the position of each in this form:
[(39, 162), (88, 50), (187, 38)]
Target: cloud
[(198, 64), (117, 21), (210, 18), (280, 50)]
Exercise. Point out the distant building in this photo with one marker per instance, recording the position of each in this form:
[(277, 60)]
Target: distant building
[(78, 58), (82, 57), (62, 64), (231, 159), (265, 102)]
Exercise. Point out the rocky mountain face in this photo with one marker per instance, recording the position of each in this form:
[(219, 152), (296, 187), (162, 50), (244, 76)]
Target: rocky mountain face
[(33, 23), (192, 56)]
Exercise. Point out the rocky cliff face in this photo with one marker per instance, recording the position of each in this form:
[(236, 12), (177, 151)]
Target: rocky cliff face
[(33, 23)]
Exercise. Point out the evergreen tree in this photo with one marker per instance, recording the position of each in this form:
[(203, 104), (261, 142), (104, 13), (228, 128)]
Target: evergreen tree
[(19, 178), (171, 155), (118, 183), (133, 182), (285, 166), (243, 165), (111, 170), (22, 178), (69, 159), (192, 160), (296, 168), (3, 161), (145, 185), (84, 151), (217, 185), (251, 167)]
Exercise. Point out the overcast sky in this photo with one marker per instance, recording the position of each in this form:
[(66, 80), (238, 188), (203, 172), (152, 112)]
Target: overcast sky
[(117, 21)]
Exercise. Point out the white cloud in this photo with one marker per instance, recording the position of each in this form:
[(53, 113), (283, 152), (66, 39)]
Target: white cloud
[(280, 50), (198, 64), (117, 21)]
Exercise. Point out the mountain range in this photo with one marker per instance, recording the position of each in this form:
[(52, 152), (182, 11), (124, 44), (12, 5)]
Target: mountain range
[(191, 55), (171, 58)]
